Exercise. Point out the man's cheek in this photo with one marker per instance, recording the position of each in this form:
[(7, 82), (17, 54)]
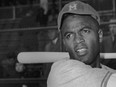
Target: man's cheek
[(90, 43), (94, 45), (69, 47)]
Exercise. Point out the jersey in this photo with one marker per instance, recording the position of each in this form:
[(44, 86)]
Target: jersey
[(73, 73)]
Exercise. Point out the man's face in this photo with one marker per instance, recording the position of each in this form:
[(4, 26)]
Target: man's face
[(81, 38)]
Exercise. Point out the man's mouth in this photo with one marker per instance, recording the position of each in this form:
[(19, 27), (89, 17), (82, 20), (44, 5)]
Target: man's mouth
[(81, 51)]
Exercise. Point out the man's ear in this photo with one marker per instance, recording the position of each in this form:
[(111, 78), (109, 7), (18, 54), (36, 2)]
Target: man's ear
[(100, 32)]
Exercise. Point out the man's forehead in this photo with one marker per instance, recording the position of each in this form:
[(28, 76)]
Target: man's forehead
[(76, 26)]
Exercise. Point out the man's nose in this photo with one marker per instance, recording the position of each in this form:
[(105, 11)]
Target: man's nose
[(79, 39)]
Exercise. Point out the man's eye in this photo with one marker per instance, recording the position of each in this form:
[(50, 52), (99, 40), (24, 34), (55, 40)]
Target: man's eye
[(85, 31), (68, 36)]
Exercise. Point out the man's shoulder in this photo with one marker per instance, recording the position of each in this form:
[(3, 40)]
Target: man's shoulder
[(108, 68)]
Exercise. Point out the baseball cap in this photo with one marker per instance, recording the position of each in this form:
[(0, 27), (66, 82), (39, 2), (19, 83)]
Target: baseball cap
[(78, 7)]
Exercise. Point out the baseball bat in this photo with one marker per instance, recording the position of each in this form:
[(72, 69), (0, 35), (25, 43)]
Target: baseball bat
[(47, 57)]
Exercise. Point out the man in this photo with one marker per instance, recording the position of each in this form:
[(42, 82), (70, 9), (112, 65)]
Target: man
[(78, 24)]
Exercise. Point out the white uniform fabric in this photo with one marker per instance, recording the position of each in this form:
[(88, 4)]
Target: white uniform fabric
[(112, 81), (107, 68), (73, 73)]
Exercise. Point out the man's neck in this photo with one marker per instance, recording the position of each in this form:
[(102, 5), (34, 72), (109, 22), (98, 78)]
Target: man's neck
[(96, 64)]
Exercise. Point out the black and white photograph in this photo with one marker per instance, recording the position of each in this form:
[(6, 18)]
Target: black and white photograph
[(57, 43)]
